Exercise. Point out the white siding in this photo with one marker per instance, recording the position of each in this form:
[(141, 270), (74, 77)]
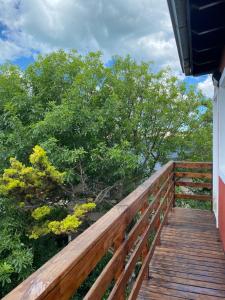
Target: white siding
[(215, 155), (218, 141)]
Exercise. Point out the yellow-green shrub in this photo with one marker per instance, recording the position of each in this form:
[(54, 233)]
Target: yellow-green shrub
[(38, 188), (65, 226), (30, 183)]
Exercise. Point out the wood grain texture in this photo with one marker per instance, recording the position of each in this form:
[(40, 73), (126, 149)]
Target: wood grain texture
[(193, 185), (194, 197), (60, 277), (145, 266), (190, 234), (123, 280), (190, 262), (207, 185), (193, 175), (193, 165)]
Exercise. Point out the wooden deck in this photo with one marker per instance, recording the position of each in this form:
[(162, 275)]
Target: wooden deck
[(190, 262)]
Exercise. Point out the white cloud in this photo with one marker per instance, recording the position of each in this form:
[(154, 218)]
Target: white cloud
[(9, 50), (206, 87), (141, 28)]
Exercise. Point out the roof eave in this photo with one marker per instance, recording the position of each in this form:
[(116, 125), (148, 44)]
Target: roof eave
[(178, 13)]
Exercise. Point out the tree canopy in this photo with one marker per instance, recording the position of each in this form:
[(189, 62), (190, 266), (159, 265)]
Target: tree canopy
[(96, 132)]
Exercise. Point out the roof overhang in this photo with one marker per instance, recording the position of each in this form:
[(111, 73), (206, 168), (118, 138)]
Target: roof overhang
[(199, 28)]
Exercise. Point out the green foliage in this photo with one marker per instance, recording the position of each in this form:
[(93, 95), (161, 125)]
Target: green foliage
[(96, 128), (26, 189), (33, 186), (101, 124), (65, 226), (30, 184), (41, 212), (203, 205), (16, 258)]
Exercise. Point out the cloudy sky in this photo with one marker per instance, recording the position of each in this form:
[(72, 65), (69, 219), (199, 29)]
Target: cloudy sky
[(141, 28)]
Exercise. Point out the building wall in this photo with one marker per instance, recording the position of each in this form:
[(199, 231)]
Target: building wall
[(219, 156), (215, 155), (222, 210), (222, 63)]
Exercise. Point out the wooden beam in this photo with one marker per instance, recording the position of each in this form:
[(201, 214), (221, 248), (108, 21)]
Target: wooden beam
[(193, 165), (102, 282), (207, 185), (194, 197), (136, 287), (193, 175), (60, 277), (122, 281)]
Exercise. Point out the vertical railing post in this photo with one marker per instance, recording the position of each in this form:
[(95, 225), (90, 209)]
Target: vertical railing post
[(165, 209), (212, 191), (157, 224), (117, 243), (174, 186), (146, 248)]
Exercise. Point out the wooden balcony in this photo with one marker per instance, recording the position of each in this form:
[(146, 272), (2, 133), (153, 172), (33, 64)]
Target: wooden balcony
[(190, 262), (158, 251)]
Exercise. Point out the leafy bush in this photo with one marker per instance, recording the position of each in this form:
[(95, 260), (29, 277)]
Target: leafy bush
[(16, 257)]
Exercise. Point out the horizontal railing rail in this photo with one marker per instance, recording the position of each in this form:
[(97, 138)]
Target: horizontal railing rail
[(130, 231), (196, 178)]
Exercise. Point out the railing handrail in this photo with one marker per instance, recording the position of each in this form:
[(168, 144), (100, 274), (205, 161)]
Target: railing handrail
[(53, 279), (205, 175), (193, 165), (60, 277)]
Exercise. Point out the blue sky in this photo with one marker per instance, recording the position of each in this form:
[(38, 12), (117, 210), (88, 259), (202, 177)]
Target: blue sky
[(195, 80), (23, 61), (141, 28), (3, 28)]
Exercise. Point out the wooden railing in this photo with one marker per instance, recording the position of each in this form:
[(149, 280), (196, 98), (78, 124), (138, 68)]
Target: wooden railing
[(130, 231), (197, 177)]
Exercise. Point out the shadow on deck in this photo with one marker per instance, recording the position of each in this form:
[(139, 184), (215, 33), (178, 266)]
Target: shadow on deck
[(189, 263)]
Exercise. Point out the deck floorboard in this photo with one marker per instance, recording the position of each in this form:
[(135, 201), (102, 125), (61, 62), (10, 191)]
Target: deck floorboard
[(190, 262)]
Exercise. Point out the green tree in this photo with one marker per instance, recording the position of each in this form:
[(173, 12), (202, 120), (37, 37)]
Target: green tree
[(104, 130), (104, 126), (37, 189), (16, 257)]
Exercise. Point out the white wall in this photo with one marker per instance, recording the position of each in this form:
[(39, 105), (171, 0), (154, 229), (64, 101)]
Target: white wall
[(221, 108), (218, 140), (215, 154)]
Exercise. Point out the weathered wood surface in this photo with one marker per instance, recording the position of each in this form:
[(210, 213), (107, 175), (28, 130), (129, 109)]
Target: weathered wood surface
[(60, 277), (188, 181), (147, 208), (193, 175), (194, 165), (194, 197), (190, 262), (207, 185)]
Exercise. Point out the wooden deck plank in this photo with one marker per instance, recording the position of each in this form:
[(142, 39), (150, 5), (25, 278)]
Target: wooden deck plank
[(193, 252), (189, 274), (200, 248), (190, 261), (188, 267), (195, 238), (183, 232), (173, 294)]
